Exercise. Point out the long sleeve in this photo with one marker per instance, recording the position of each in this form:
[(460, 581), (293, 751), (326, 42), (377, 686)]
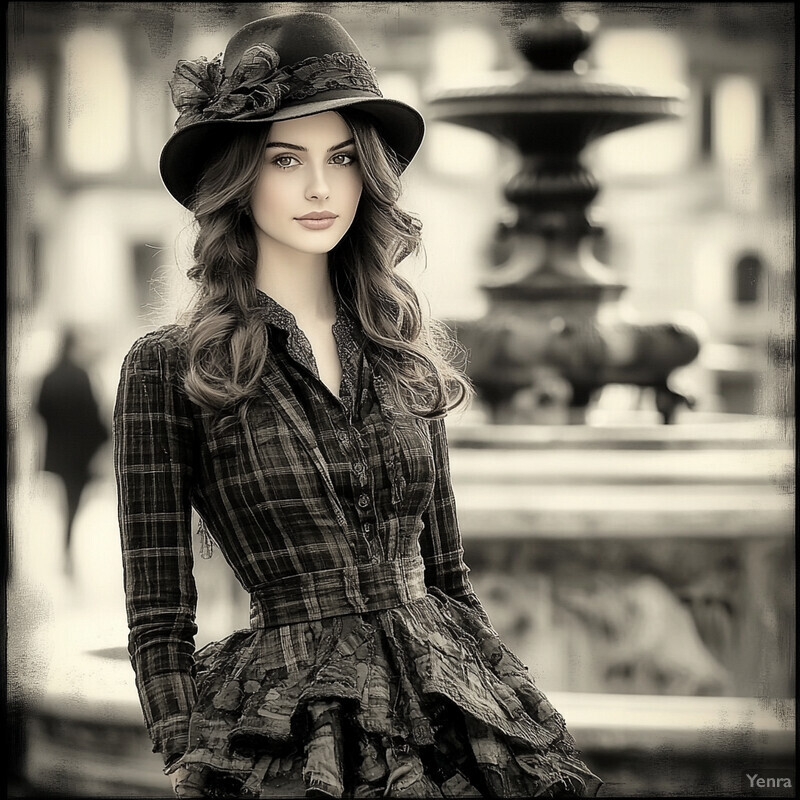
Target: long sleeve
[(153, 469), (440, 540)]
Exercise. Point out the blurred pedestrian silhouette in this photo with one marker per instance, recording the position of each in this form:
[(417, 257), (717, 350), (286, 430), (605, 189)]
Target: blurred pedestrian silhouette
[(74, 429)]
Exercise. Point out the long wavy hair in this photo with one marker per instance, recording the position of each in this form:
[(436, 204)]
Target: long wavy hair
[(415, 355)]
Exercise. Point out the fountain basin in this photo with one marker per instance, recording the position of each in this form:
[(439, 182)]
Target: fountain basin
[(553, 112)]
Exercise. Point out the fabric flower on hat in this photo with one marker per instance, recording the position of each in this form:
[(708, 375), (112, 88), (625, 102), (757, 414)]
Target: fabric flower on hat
[(201, 91), (248, 90), (194, 84)]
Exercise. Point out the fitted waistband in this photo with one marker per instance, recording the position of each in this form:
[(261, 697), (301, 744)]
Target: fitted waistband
[(353, 589)]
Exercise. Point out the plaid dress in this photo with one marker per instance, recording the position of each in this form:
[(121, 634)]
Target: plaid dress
[(369, 667)]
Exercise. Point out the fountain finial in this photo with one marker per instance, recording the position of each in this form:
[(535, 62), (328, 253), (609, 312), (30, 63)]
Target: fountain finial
[(555, 42)]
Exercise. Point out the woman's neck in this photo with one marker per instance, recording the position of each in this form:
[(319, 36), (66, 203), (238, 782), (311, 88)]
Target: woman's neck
[(300, 283)]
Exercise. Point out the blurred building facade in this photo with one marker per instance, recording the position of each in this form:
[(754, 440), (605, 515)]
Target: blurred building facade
[(699, 218)]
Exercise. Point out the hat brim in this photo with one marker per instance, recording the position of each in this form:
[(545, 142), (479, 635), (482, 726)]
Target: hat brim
[(189, 151)]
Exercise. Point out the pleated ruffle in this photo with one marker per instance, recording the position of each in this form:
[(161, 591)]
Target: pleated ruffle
[(418, 701)]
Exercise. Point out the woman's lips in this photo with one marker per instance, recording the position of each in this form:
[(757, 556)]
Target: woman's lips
[(317, 220), (316, 223)]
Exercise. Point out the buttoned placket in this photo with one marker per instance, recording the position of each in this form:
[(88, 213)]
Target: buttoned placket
[(365, 494), (344, 411), (353, 448), (349, 439)]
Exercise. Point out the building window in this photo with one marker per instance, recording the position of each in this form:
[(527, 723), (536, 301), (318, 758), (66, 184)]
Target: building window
[(655, 61), (767, 122), (460, 57), (95, 121), (35, 265), (748, 278), (706, 123), (27, 94), (737, 119)]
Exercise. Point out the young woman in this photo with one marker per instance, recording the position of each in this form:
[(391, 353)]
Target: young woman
[(299, 410)]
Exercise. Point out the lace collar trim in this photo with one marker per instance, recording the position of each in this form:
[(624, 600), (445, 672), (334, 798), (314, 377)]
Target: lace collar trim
[(345, 332)]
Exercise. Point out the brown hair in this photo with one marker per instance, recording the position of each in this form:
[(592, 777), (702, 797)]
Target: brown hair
[(227, 341)]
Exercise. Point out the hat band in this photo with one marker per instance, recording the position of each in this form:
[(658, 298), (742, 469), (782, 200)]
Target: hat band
[(258, 88)]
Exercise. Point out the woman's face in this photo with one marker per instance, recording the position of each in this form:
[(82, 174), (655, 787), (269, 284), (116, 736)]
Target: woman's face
[(307, 194)]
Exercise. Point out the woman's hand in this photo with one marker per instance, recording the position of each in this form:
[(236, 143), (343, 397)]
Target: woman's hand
[(187, 783)]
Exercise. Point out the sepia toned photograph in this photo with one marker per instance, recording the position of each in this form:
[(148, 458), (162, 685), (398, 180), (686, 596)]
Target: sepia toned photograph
[(400, 399)]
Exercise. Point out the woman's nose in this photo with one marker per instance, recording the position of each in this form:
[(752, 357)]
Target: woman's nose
[(318, 188)]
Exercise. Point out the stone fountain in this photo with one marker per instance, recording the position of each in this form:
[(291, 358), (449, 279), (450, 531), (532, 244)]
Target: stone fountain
[(542, 336)]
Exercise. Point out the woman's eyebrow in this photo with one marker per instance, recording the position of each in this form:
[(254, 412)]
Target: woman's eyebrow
[(340, 146), (299, 148)]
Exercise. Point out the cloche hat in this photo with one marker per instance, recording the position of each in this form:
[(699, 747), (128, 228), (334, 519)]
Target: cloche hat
[(280, 67)]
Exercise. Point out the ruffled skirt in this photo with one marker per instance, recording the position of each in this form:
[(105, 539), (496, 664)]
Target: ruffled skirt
[(422, 700)]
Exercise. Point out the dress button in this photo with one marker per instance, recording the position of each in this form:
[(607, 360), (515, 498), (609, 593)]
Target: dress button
[(363, 501), (359, 467), (366, 527)]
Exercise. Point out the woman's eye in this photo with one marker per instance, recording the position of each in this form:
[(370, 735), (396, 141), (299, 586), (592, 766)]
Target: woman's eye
[(344, 159), (284, 162)]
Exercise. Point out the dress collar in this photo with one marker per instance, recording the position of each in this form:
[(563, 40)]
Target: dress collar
[(282, 318), (346, 331), (275, 313)]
